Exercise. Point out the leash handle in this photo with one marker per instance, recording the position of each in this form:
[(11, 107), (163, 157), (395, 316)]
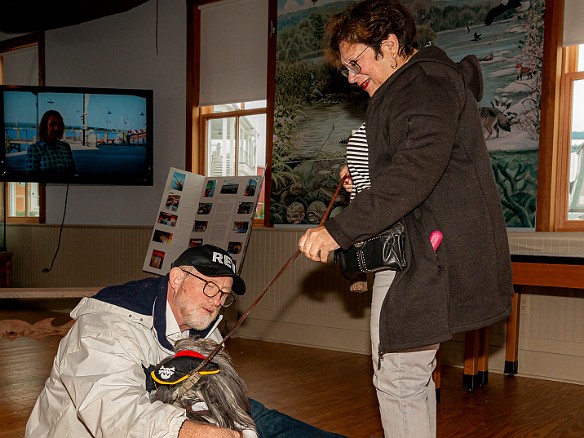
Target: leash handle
[(272, 281)]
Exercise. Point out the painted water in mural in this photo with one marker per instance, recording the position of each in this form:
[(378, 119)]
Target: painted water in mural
[(316, 109)]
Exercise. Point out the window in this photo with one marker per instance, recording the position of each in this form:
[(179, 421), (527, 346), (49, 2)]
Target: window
[(560, 179), (572, 139), (235, 141), (21, 63), (227, 133), (558, 171), (23, 199)]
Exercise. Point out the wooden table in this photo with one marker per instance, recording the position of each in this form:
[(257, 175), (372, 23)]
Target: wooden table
[(544, 271), (528, 270)]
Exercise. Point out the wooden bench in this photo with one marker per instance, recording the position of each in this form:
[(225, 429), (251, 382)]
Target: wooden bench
[(14, 328)]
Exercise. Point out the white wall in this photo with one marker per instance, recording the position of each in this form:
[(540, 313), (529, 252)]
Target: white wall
[(120, 51)]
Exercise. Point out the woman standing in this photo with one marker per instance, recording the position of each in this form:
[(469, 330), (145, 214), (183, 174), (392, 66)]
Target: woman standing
[(429, 167)]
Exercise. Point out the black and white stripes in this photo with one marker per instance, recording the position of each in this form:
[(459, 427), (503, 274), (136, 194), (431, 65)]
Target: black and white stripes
[(358, 160)]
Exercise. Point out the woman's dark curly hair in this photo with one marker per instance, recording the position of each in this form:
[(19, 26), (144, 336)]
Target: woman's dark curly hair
[(370, 22)]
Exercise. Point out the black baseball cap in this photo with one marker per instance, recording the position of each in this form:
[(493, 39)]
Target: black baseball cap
[(211, 261)]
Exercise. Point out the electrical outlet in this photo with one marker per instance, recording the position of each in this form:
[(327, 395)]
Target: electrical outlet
[(524, 309)]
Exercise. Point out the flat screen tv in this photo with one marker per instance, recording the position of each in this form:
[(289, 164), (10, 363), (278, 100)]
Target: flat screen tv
[(105, 136)]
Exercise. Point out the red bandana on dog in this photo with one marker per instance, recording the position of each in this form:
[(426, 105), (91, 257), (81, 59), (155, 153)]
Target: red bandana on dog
[(175, 369)]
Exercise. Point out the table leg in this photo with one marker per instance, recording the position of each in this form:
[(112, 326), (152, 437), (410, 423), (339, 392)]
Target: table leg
[(436, 374), (471, 359), (512, 344), (483, 365)]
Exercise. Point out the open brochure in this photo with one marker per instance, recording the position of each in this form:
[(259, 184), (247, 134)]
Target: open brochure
[(197, 210)]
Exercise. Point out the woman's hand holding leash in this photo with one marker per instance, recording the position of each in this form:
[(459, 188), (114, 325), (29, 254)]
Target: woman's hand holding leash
[(317, 243)]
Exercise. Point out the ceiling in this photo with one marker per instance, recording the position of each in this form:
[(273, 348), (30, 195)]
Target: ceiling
[(24, 16)]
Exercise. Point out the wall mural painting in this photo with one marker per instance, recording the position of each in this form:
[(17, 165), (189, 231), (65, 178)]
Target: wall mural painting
[(316, 109)]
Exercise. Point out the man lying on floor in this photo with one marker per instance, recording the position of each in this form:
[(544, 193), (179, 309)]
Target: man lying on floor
[(97, 386)]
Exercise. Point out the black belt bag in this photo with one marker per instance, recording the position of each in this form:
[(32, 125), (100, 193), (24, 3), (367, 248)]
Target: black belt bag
[(386, 251)]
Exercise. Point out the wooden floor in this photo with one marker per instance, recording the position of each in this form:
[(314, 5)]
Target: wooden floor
[(333, 390)]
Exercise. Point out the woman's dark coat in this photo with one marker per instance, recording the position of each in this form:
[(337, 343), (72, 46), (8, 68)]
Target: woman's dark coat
[(429, 165)]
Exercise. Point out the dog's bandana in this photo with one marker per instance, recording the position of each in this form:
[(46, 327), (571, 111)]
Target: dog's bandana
[(175, 369)]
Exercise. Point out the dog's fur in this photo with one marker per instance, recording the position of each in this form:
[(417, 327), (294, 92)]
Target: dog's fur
[(224, 393)]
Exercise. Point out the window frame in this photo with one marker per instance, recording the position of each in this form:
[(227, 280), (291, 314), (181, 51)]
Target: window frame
[(9, 45), (207, 114), (195, 155)]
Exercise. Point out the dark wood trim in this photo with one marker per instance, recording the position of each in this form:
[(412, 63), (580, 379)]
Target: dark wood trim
[(22, 41), (234, 114), (41, 60), (42, 203), (549, 260), (549, 117), (271, 93), (192, 86), (548, 274)]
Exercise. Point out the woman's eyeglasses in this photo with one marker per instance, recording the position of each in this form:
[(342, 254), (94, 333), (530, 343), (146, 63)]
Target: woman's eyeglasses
[(211, 289), (352, 66)]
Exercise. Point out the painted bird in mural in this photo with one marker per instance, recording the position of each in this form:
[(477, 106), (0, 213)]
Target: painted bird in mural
[(504, 6)]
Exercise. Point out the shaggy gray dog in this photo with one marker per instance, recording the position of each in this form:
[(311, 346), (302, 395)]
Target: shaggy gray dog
[(219, 397)]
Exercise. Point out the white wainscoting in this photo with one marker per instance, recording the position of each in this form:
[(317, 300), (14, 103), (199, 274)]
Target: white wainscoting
[(310, 304)]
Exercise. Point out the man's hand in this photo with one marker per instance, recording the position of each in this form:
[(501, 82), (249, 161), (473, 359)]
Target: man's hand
[(194, 429), (317, 243)]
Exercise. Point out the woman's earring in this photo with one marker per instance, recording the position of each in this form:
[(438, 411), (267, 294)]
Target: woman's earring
[(393, 63)]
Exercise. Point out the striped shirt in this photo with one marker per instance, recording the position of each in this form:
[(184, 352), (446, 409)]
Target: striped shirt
[(358, 161)]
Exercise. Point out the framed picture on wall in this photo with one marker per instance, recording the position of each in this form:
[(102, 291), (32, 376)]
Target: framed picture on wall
[(316, 109)]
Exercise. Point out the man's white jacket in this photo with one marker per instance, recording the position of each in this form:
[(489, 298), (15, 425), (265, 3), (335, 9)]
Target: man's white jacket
[(97, 386)]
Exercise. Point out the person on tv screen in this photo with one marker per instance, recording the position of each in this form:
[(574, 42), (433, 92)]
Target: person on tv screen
[(50, 153)]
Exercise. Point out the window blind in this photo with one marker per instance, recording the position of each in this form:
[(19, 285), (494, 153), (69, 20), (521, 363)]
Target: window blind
[(20, 66), (573, 22), (234, 51)]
